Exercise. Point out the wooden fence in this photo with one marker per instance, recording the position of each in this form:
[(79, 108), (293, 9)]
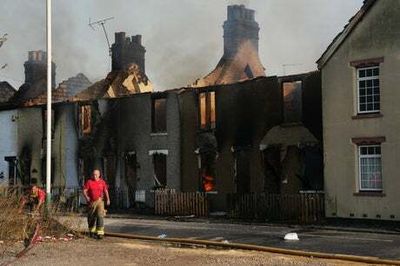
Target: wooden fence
[(297, 208), (181, 203)]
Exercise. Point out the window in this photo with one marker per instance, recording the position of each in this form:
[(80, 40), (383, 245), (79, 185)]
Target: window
[(160, 169), (159, 115), (292, 101), (207, 111), (370, 167), (85, 119), (368, 89)]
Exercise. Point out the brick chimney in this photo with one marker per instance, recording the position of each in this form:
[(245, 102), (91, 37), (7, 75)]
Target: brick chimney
[(127, 50), (36, 68), (239, 27), (240, 60)]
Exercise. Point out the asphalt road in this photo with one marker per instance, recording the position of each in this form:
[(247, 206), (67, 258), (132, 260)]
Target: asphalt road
[(386, 246)]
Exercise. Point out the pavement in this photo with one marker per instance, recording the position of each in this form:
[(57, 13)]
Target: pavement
[(380, 243)]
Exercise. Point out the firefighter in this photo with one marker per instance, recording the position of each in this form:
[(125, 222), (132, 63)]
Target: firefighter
[(95, 192), (35, 198)]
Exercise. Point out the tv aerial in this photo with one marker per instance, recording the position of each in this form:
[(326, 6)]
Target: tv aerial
[(101, 23)]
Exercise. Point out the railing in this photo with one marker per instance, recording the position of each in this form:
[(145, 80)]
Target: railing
[(181, 203), (297, 208)]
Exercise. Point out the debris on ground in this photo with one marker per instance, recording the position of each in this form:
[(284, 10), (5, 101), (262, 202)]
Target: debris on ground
[(291, 237)]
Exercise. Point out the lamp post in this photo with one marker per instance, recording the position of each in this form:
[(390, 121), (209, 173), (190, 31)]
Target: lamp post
[(49, 83)]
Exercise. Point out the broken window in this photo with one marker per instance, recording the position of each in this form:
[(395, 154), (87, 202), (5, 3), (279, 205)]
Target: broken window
[(292, 101), (44, 123), (207, 110), (160, 169), (85, 119), (159, 115)]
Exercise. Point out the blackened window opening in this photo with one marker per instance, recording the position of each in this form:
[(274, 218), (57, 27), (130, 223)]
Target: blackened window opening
[(207, 110), (85, 119), (160, 169), (159, 115), (292, 101)]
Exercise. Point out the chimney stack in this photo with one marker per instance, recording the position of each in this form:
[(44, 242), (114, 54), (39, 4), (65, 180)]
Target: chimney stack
[(127, 50), (36, 68), (239, 27), (240, 60)]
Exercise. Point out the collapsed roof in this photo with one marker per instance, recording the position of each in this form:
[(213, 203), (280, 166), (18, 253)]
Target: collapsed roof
[(118, 83)]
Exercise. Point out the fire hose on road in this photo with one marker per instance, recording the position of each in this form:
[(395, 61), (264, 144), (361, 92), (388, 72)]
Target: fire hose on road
[(209, 243)]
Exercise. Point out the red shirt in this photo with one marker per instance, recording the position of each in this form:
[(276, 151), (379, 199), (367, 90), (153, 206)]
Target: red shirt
[(95, 188), (40, 195)]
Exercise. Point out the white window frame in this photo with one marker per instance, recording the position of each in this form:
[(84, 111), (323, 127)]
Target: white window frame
[(358, 88), (361, 189)]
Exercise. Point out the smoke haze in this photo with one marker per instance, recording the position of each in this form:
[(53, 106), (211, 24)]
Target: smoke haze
[(183, 38)]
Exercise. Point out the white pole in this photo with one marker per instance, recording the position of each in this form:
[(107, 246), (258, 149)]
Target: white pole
[(49, 83)]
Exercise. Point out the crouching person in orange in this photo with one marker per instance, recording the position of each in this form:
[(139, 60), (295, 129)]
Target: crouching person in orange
[(95, 192), (34, 198)]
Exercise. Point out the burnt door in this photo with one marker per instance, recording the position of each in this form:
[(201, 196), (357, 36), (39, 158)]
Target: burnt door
[(242, 172), (130, 176), (272, 169)]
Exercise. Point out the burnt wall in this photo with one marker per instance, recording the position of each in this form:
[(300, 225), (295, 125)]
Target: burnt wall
[(312, 103), (244, 113), (135, 135), (190, 180)]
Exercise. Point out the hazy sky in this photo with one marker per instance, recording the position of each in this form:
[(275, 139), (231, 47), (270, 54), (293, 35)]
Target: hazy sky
[(183, 38)]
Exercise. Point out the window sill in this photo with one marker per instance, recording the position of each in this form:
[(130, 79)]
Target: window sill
[(364, 116), (159, 134), (369, 194)]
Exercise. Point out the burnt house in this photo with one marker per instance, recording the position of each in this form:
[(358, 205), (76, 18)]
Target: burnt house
[(248, 136), (235, 131), (134, 140), (292, 150)]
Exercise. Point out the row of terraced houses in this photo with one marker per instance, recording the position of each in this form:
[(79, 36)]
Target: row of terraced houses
[(332, 131)]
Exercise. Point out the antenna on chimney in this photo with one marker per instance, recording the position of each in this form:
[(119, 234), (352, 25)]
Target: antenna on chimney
[(101, 23)]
